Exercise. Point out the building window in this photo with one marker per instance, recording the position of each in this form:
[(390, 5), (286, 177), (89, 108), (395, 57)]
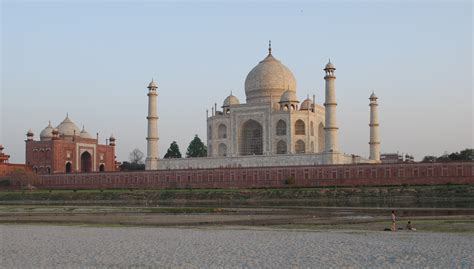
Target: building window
[(68, 167), (222, 131), (281, 127), (281, 147), (299, 127), (222, 150), (300, 146), (102, 168)]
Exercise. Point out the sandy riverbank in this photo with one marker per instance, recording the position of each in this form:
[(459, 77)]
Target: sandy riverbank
[(36, 246)]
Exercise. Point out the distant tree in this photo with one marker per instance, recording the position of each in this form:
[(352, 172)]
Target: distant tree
[(196, 148), (135, 161), (136, 156), (429, 159), (173, 151), (464, 155), (128, 166)]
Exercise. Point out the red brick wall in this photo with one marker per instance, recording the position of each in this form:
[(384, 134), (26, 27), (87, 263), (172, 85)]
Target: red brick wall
[(7, 168), (272, 177)]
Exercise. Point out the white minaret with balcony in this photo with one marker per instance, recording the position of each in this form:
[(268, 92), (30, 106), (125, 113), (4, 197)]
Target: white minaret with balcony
[(374, 141), (151, 162), (330, 104)]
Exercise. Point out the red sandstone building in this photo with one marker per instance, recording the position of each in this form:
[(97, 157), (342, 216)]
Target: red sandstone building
[(6, 167), (66, 149)]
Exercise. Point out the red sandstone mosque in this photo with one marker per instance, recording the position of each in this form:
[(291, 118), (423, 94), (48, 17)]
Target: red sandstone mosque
[(67, 149)]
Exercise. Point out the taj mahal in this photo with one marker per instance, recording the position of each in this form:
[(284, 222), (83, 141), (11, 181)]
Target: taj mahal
[(272, 128)]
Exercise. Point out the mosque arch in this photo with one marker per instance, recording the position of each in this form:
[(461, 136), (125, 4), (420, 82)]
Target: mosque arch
[(209, 132), (281, 127), (222, 131), (222, 150), (299, 127), (321, 137), (300, 146), (86, 162), (281, 147), (251, 138), (68, 167), (102, 168)]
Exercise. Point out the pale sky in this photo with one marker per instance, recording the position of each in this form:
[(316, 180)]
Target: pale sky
[(94, 59)]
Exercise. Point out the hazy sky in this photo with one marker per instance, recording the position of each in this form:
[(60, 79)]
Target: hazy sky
[(94, 59)]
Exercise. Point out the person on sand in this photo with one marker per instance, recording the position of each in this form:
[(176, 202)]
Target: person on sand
[(410, 227), (394, 221)]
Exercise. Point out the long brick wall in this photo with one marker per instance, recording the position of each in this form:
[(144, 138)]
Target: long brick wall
[(271, 177)]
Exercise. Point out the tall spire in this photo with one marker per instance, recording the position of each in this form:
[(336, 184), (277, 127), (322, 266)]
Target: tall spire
[(269, 47)]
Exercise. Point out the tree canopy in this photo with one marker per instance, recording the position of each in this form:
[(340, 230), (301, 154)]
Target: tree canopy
[(135, 161), (196, 148), (173, 151), (463, 155)]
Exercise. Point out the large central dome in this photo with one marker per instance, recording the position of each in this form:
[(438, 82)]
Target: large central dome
[(268, 80)]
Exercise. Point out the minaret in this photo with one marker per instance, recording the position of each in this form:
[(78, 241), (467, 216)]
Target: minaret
[(330, 105), (151, 162), (374, 141)]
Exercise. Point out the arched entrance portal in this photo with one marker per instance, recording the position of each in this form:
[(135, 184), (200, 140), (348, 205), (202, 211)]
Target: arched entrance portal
[(68, 168), (102, 168), (86, 162), (251, 138)]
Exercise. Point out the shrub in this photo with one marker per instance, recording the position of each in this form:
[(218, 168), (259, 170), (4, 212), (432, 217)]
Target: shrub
[(5, 183)]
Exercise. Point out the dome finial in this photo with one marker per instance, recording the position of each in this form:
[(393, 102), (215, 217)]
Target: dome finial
[(269, 47)]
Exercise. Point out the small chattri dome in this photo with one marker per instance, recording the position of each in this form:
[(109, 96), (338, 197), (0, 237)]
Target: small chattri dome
[(47, 132), (330, 65), (307, 104), (231, 100), (30, 132), (153, 84), (112, 138), (84, 133), (288, 96), (67, 127)]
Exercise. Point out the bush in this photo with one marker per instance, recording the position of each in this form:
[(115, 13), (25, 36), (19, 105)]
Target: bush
[(5, 183)]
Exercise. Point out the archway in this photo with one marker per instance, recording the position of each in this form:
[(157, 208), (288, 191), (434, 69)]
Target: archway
[(251, 138), (222, 131), (281, 147), (68, 168), (300, 146), (321, 137), (222, 150), (281, 127), (299, 127), (102, 168), (86, 162)]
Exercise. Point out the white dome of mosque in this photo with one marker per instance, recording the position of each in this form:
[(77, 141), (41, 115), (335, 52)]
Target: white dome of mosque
[(289, 96), (67, 127), (231, 100), (47, 132), (307, 104), (270, 78), (84, 133)]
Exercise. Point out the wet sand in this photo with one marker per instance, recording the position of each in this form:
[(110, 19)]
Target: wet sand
[(40, 246)]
